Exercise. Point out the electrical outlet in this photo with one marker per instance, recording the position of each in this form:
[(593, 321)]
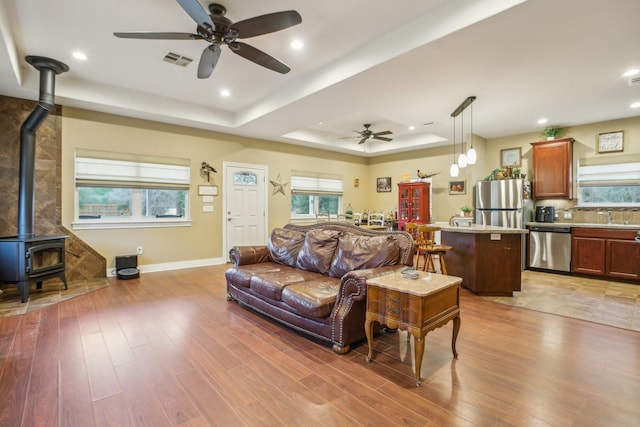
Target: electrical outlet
[(139, 250), (567, 215)]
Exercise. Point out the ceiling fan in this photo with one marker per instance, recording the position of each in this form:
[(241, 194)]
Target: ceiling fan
[(219, 30), (368, 133)]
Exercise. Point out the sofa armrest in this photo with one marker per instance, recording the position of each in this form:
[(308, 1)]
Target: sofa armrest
[(243, 255), (349, 311), (354, 284)]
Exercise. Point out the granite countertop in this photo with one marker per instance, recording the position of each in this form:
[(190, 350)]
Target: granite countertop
[(584, 225), (482, 229)]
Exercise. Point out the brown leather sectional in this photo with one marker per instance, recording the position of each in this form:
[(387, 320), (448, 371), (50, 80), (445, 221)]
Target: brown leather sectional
[(313, 278)]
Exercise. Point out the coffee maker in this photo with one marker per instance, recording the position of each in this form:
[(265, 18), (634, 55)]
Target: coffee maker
[(545, 213)]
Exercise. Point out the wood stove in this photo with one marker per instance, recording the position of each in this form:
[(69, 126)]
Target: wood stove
[(27, 259), (32, 260)]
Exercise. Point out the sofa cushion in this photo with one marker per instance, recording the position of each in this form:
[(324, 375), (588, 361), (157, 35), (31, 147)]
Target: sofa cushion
[(284, 246), (362, 252), (317, 252), (241, 276), (314, 298), (271, 284)]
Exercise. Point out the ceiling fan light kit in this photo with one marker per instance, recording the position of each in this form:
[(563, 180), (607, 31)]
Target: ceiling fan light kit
[(219, 30)]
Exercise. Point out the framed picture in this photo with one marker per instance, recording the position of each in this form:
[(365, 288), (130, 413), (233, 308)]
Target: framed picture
[(610, 142), (383, 185), (510, 157), (458, 187)]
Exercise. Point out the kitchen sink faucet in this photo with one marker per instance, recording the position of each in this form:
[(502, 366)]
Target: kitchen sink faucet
[(608, 214)]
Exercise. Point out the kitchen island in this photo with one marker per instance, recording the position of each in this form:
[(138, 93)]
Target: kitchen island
[(488, 258)]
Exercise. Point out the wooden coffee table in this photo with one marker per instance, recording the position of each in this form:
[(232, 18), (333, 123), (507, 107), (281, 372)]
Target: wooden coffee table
[(415, 305)]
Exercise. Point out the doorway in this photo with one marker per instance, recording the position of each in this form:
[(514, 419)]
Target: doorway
[(244, 205)]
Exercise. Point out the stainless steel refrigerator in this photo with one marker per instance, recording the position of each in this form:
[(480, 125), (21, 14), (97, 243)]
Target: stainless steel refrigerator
[(504, 203)]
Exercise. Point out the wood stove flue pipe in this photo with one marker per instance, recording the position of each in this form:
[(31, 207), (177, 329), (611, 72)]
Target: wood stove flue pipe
[(48, 69)]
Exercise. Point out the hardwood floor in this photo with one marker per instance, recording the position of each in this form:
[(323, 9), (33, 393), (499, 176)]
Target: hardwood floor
[(168, 349)]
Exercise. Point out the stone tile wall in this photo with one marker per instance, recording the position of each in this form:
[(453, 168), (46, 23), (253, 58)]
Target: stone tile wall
[(82, 261)]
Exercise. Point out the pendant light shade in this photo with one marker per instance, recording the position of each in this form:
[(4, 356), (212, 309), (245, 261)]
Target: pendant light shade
[(471, 154), (462, 160), (453, 170)]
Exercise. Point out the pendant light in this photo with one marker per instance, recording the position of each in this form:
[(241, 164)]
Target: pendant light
[(471, 154), (462, 158), (453, 170)]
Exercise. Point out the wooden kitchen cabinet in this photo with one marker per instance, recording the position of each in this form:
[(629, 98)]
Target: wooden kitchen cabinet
[(413, 203), (553, 169), (605, 252), (588, 255), (489, 263), (623, 259)]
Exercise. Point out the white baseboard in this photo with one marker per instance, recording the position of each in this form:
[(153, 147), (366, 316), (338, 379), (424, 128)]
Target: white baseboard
[(178, 265)]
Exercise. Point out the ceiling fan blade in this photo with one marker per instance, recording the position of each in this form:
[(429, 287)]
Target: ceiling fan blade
[(384, 132), (196, 12), (259, 57), (265, 24), (157, 36), (362, 140), (208, 61), (381, 138)]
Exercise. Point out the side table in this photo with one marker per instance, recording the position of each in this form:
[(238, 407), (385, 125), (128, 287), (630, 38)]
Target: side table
[(415, 305)]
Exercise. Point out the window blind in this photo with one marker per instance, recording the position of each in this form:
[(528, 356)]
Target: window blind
[(122, 170), (609, 174), (316, 185)]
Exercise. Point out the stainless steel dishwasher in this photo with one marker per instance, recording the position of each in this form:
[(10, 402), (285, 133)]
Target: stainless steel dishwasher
[(550, 248)]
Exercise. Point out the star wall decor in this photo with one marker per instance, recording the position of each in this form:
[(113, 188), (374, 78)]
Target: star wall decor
[(278, 186)]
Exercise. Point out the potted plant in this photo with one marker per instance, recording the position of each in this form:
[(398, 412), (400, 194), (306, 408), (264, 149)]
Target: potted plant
[(466, 210), (516, 172), (349, 212), (551, 132)]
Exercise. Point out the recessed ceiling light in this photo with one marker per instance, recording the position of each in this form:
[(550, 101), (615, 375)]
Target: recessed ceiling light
[(225, 92), (412, 127), (631, 72), (297, 44), (542, 121), (79, 55), (635, 105)]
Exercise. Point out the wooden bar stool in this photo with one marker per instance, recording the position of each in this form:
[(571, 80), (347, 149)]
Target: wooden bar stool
[(428, 248), (412, 229)]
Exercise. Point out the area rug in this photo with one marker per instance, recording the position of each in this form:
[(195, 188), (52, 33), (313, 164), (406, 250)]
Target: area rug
[(600, 301), (52, 292)]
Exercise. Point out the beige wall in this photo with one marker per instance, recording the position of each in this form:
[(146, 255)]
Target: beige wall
[(203, 240), (584, 147)]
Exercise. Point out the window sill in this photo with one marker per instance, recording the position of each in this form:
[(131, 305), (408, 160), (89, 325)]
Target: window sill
[(105, 225)]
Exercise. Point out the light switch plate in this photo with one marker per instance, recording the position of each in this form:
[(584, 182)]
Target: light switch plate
[(207, 208)]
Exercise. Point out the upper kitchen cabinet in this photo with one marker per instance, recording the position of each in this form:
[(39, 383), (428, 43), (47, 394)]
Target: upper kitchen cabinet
[(552, 169)]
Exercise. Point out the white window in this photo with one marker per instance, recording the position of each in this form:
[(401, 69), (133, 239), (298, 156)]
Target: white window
[(609, 182), (315, 193), (115, 190)]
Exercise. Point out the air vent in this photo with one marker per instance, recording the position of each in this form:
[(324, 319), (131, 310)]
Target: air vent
[(634, 81), (177, 59)]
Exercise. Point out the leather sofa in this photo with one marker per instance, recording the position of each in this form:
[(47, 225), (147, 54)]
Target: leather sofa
[(313, 278)]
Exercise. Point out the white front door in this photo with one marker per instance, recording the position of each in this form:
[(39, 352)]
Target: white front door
[(244, 204)]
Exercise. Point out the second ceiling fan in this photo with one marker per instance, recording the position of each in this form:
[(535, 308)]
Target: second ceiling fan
[(218, 30), (369, 134)]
